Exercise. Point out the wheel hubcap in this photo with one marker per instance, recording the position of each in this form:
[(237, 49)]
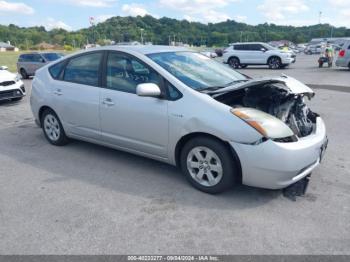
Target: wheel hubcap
[(51, 127), (204, 166), (275, 63)]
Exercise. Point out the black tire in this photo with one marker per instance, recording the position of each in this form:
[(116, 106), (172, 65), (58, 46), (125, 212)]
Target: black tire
[(229, 174), (349, 66), (234, 62), (24, 74), (61, 139), (244, 66), (16, 99), (274, 62)]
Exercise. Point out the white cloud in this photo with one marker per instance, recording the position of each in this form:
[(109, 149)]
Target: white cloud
[(134, 10), (240, 18), (92, 3), (342, 8), (56, 24), (103, 18), (199, 10), (278, 10), (17, 8)]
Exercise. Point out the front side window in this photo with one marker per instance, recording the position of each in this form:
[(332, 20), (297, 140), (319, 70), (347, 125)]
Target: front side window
[(36, 58), (124, 73), (51, 56), (84, 69), (197, 71)]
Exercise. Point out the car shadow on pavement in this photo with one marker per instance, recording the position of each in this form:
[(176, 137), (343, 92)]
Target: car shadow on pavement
[(118, 171)]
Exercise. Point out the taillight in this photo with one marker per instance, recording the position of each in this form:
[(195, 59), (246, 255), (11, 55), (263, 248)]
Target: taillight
[(341, 53)]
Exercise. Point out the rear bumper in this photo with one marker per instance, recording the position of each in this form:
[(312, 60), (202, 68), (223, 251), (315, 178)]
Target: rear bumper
[(342, 62), (276, 165)]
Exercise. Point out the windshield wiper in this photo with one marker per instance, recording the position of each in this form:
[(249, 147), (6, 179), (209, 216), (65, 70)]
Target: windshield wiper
[(214, 88)]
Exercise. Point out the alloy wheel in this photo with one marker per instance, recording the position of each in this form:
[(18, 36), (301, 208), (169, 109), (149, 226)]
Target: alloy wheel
[(204, 166), (52, 127)]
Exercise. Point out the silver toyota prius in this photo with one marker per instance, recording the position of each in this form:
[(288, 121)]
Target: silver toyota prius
[(181, 107)]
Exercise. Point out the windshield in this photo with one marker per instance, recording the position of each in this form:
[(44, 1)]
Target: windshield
[(196, 70), (270, 47), (51, 56)]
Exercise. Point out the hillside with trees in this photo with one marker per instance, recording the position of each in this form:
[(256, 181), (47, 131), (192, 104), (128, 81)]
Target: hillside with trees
[(164, 30)]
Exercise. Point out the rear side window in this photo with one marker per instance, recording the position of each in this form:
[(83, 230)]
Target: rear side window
[(240, 47), (56, 69), (84, 69)]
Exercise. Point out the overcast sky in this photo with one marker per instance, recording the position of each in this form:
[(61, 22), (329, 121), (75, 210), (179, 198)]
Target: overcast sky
[(74, 14)]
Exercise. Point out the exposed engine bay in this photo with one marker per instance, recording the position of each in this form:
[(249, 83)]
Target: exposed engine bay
[(274, 99)]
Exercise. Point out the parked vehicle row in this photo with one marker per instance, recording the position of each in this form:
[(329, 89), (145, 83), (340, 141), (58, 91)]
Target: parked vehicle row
[(241, 55), (185, 109)]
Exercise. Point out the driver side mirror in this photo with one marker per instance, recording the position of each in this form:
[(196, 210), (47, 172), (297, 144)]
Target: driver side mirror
[(263, 50), (148, 90)]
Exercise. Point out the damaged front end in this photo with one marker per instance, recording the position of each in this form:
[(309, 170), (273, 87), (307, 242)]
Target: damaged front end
[(277, 109), (283, 98)]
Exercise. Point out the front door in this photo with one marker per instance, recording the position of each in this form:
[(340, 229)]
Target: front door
[(128, 120)]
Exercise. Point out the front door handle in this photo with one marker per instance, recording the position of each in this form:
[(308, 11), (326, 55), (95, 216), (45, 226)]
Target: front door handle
[(108, 102), (58, 92)]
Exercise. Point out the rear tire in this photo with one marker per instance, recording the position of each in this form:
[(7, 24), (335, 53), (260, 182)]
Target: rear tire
[(234, 62), (244, 66), (53, 129), (209, 165), (24, 74)]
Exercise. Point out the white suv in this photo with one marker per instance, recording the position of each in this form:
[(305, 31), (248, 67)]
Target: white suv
[(240, 55)]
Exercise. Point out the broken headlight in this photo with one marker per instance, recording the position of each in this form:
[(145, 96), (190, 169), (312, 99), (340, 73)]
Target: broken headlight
[(267, 125)]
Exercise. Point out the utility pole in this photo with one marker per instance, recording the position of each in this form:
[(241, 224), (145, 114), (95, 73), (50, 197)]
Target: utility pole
[(332, 28), (320, 17), (241, 36), (141, 30)]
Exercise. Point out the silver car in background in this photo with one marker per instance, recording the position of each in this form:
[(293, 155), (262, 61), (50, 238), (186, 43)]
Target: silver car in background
[(28, 63), (343, 59), (183, 108)]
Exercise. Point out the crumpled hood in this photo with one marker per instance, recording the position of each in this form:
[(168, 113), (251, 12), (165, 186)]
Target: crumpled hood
[(6, 76), (288, 83)]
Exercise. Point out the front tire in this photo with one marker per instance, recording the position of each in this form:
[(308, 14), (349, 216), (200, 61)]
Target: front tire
[(274, 63), (53, 129), (208, 165), (24, 73)]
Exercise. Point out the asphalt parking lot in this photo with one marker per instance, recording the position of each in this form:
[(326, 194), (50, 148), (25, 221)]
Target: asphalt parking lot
[(87, 199)]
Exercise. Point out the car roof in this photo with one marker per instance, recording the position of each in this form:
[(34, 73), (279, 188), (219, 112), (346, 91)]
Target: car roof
[(245, 43), (142, 49)]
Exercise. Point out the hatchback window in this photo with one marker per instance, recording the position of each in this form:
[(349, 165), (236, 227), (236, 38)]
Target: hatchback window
[(84, 69), (124, 73)]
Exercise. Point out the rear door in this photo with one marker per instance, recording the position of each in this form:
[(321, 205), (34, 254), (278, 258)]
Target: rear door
[(242, 52), (76, 95), (128, 120)]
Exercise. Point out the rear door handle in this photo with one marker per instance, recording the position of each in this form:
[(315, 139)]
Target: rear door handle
[(108, 102), (58, 92)]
